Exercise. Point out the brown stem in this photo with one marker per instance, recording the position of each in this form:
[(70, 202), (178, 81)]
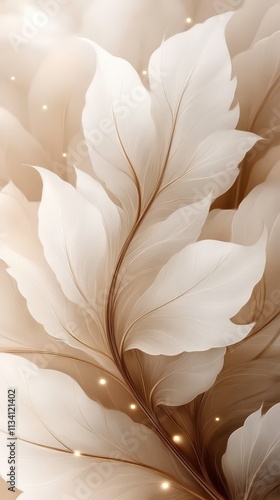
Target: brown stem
[(126, 376), (110, 313)]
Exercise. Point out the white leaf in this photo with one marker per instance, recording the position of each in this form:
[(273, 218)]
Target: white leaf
[(55, 419), (120, 132), (72, 233), (191, 93), (17, 327), (174, 381), (261, 208), (251, 462), (212, 169), (19, 332), (192, 96), (184, 65), (94, 192), (246, 381), (190, 303), (152, 247), (166, 237), (22, 251), (60, 318), (22, 335)]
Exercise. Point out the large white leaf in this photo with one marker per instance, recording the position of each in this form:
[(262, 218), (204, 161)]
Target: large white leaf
[(190, 303), (22, 251), (48, 305), (22, 335), (94, 192), (120, 132), (251, 462), (186, 66), (114, 455), (165, 380), (200, 150), (73, 236), (151, 249), (196, 153)]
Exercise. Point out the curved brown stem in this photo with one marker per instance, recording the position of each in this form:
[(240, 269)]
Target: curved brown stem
[(110, 319), (127, 378)]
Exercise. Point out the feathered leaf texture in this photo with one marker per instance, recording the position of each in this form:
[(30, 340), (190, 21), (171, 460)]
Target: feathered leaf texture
[(113, 268), (251, 369), (259, 105), (68, 445), (23, 253), (251, 463)]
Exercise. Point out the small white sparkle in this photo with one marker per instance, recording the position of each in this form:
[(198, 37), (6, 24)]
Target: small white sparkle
[(165, 485), (102, 381), (188, 20), (176, 439)]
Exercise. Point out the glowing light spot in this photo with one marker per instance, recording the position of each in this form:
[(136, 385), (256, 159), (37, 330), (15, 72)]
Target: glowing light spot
[(176, 439), (133, 407), (77, 453), (13, 78), (102, 381), (188, 20), (44, 107), (217, 419), (165, 485), (144, 72), (64, 155)]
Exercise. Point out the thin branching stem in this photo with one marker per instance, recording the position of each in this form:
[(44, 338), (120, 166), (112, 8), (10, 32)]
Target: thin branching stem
[(119, 358)]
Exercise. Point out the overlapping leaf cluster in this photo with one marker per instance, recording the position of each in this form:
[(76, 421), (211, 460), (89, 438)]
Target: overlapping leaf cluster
[(120, 276)]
